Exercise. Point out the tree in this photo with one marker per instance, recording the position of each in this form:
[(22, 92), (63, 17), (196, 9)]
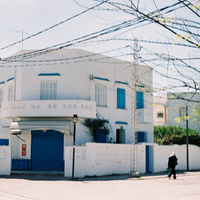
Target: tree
[(175, 135), (94, 125), (196, 113), (173, 50)]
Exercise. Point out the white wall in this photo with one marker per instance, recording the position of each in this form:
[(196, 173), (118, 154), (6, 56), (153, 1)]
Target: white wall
[(16, 144), (106, 159), (5, 160), (98, 159)]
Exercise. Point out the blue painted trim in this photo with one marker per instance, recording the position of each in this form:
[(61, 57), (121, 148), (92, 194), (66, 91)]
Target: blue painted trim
[(49, 74), (10, 79), (21, 164), (120, 122), (125, 83), (99, 78), (141, 86), (2, 82), (4, 142)]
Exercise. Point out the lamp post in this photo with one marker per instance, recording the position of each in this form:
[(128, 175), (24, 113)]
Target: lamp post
[(75, 119)]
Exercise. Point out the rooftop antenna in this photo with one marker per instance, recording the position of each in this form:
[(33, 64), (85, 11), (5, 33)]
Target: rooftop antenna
[(22, 32)]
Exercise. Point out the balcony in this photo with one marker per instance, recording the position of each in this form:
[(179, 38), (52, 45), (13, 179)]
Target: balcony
[(145, 115), (48, 108)]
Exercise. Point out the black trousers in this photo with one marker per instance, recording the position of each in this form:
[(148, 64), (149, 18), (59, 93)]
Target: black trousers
[(173, 172)]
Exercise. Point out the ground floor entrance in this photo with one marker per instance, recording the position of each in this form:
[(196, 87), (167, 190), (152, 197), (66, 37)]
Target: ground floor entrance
[(47, 149)]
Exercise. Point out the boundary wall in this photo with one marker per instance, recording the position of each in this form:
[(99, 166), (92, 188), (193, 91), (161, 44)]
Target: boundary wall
[(5, 160), (96, 159)]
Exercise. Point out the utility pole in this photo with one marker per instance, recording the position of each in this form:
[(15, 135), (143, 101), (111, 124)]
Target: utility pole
[(187, 138), (134, 115)]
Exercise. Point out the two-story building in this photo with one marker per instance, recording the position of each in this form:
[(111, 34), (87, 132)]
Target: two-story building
[(40, 91)]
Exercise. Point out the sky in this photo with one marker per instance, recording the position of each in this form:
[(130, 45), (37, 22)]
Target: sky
[(33, 16)]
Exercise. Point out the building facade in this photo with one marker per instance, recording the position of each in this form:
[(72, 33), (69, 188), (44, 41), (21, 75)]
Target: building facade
[(40, 91), (176, 106), (159, 110)]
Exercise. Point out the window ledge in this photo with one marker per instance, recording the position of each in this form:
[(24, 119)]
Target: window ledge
[(102, 106), (121, 108)]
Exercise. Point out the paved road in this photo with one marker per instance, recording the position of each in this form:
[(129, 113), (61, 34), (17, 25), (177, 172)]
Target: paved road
[(185, 187)]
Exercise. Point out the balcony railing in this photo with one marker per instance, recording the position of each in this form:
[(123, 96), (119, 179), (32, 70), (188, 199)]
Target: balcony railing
[(145, 115), (48, 108)]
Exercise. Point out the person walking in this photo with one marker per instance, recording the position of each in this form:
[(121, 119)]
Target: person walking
[(172, 162)]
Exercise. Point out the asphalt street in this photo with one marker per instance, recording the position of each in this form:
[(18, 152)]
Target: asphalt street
[(148, 187)]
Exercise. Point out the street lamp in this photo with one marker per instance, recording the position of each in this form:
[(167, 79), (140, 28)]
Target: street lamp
[(75, 120)]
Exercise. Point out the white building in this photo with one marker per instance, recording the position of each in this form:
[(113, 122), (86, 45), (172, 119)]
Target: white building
[(40, 92), (176, 107), (159, 110)]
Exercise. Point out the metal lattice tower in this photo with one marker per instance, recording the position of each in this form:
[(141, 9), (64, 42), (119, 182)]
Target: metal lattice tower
[(134, 114)]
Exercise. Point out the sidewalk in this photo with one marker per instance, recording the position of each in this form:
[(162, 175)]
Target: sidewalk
[(60, 176), (143, 176)]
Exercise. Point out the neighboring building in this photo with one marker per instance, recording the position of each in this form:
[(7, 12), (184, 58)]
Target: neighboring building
[(40, 92), (159, 110), (176, 106)]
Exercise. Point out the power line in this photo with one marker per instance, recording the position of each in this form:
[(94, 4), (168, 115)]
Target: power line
[(55, 25)]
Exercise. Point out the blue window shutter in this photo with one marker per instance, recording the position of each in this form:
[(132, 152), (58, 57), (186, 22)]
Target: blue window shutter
[(4, 142), (121, 98), (140, 100), (141, 136)]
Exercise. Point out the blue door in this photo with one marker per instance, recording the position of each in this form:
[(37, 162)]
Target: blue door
[(147, 159), (101, 136), (47, 151)]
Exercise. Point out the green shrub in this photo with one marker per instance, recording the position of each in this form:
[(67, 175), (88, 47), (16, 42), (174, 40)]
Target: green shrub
[(170, 135)]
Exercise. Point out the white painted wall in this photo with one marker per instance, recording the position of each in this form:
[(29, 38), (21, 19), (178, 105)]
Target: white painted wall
[(162, 153), (5, 160), (17, 145), (98, 159), (107, 159)]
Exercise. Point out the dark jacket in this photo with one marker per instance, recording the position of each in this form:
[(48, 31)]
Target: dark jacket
[(172, 162)]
